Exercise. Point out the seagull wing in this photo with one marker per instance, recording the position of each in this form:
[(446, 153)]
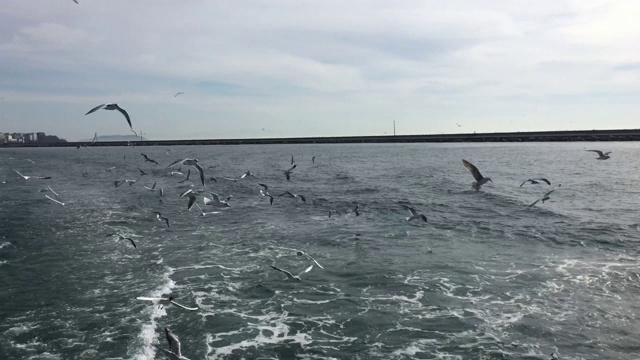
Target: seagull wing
[(314, 260), (473, 169), (289, 275), (201, 171), (545, 180), (535, 202), (270, 199), (306, 270), (608, 152), (95, 109), (166, 220), (266, 188), (215, 197), (152, 299), (288, 175), (207, 201), (597, 151), (186, 192), (412, 211), (24, 177), (192, 200), (302, 198), (131, 240), (175, 162), (524, 182), (50, 189), (126, 116), (171, 355), (184, 307), (174, 342), (286, 193), (292, 160)]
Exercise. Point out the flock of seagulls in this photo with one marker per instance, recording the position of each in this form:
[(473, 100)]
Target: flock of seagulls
[(215, 201)]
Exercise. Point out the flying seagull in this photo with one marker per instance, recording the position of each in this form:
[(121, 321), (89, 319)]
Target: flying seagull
[(264, 192), (536, 181), (147, 159), (142, 173), (292, 163), (248, 173), (54, 200), (545, 197), (192, 198), (414, 214), (174, 352), (95, 138), (152, 188), (120, 237), (293, 196), (603, 156), (32, 177), (480, 180), (291, 276), (205, 213), (215, 201), (193, 162), (75, 1), (50, 189), (356, 210), (112, 107), (31, 161), (162, 218), (313, 160), (287, 173), (165, 301), (178, 93)]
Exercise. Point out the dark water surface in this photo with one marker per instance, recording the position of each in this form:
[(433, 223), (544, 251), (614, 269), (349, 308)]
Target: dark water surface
[(486, 278)]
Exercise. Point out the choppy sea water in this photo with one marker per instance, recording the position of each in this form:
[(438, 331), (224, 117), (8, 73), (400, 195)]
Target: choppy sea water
[(486, 278)]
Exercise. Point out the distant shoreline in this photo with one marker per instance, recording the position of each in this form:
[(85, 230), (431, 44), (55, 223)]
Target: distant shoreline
[(538, 136)]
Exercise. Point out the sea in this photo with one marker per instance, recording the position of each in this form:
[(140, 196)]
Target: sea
[(486, 277)]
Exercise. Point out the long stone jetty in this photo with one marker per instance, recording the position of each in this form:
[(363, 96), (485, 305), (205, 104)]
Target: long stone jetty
[(540, 136)]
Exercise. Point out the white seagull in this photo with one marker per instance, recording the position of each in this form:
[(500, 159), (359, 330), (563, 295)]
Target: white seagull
[(291, 276), (32, 177), (414, 214), (603, 156), (193, 162), (536, 181), (289, 194), (215, 201), (112, 107), (165, 301), (480, 180), (174, 352), (264, 192), (545, 197)]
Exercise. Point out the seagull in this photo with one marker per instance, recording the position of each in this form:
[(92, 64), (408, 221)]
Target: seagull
[(458, 125), (146, 158), (545, 197), (174, 351), (302, 253), (414, 214), (152, 188), (192, 198), (355, 210), (31, 161), (289, 194), (248, 173), (54, 200), (264, 192), (142, 173), (120, 237), (112, 107), (178, 93), (49, 189), (165, 301), (215, 201), (290, 276), (193, 162), (287, 173), (480, 180), (313, 160), (187, 178), (75, 1), (536, 181), (292, 163), (32, 177), (603, 156), (162, 218), (120, 182), (176, 173), (95, 138)]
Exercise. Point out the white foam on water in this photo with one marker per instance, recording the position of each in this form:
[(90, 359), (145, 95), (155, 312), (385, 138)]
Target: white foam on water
[(148, 332)]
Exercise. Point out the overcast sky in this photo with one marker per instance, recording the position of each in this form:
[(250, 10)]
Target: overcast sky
[(318, 68)]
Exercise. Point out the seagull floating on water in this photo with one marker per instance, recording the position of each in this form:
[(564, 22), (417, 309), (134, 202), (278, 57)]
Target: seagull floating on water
[(165, 301), (291, 276), (545, 197), (162, 218), (174, 352), (32, 177), (480, 180), (414, 214), (536, 181), (112, 107), (120, 237), (194, 163), (602, 156)]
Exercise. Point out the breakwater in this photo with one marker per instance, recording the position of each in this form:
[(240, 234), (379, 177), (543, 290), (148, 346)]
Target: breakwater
[(541, 136)]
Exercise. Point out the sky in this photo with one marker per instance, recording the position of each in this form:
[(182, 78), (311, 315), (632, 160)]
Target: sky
[(317, 68)]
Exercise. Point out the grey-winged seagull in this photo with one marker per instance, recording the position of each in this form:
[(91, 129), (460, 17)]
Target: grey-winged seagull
[(414, 214), (291, 276), (120, 237), (194, 163), (536, 181), (602, 156), (215, 201), (480, 180), (545, 197), (175, 351), (293, 196), (112, 107)]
